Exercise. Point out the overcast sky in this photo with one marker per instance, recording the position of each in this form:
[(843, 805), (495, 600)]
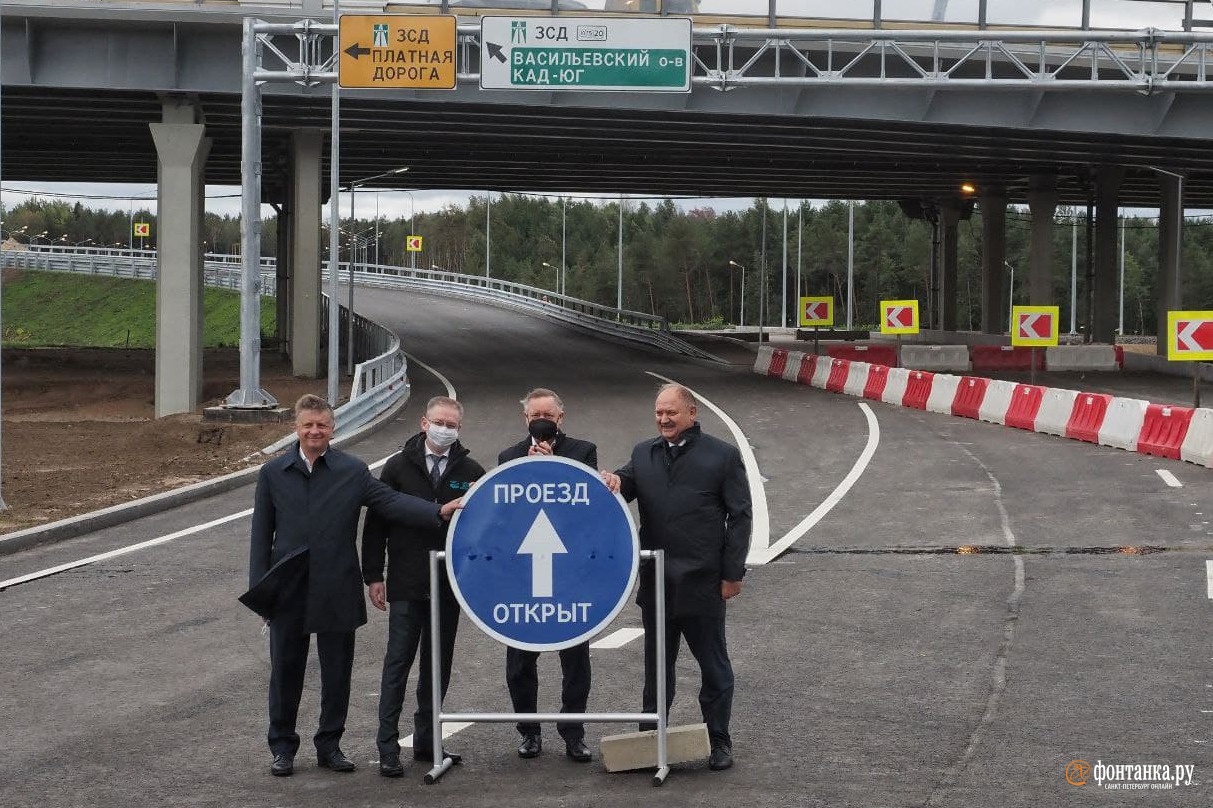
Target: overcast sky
[(1126, 14)]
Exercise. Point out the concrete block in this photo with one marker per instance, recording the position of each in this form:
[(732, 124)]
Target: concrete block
[(1081, 357), (935, 357), (638, 750)]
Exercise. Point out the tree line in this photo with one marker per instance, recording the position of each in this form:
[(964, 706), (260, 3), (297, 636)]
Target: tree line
[(676, 263)]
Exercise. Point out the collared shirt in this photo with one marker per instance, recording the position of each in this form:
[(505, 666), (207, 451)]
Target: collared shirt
[(436, 458), (307, 462)]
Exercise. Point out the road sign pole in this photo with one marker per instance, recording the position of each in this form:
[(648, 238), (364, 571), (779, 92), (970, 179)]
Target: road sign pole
[(1196, 385), (899, 350), (815, 334), (441, 762), (663, 766), (1032, 372)]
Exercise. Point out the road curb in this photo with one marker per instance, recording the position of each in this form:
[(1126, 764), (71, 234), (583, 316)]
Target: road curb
[(75, 526)]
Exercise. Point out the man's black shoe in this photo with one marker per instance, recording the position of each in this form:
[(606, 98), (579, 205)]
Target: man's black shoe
[(530, 747), (337, 761), (390, 767), (578, 751), (426, 753), (721, 759), (283, 765)]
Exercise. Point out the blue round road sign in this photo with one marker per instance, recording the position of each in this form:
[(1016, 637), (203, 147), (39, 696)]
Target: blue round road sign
[(543, 555)]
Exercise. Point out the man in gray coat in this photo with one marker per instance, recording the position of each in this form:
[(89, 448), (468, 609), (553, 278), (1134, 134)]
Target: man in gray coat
[(695, 505), (310, 497)]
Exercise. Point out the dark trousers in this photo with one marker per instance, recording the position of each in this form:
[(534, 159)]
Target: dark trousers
[(522, 678), (288, 663), (408, 627), (705, 638)]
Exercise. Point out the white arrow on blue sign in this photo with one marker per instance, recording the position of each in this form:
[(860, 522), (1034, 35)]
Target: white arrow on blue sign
[(542, 556)]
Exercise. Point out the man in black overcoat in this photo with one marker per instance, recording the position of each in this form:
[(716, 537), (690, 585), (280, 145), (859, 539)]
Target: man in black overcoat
[(433, 465), (694, 504), (311, 496), (543, 413)]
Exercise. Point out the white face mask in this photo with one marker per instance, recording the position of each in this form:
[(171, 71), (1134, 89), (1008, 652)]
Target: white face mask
[(441, 436)]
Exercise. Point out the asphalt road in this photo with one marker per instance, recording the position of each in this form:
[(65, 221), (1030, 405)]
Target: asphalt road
[(900, 654)]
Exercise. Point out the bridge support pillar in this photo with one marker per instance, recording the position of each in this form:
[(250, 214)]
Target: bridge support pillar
[(181, 150), (1168, 285), (949, 220), (1042, 201), (303, 210), (1105, 288), (993, 258)]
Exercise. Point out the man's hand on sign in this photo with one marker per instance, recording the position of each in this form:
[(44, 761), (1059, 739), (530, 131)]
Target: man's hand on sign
[(611, 480), (448, 510)]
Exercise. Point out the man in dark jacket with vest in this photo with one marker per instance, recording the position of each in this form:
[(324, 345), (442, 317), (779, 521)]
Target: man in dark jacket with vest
[(543, 412), (695, 505), (308, 500), (433, 465)]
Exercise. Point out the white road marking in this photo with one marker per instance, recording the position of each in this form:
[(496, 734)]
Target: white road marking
[(449, 728), (450, 388), (618, 639), (1209, 577), (1169, 478), (806, 524), (760, 534), (124, 550), (33, 576)]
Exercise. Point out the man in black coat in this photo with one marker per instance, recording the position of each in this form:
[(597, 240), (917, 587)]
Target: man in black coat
[(433, 465), (543, 412), (695, 505), (311, 496)]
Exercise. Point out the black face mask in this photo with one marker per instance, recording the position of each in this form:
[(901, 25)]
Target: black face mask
[(543, 429)]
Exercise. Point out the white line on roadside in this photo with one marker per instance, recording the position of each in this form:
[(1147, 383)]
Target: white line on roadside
[(760, 533), (449, 728), (1209, 577), (450, 388), (123, 550), (806, 524), (618, 639), (189, 531), (1169, 478)]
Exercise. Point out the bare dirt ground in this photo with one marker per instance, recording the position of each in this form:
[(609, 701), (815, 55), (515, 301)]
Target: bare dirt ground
[(79, 432)]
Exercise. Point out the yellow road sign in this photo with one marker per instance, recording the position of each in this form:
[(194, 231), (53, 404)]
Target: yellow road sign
[(397, 51), (899, 316), (1190, 336), (143, 230), (1034, 326), (816, 311), (412, 243)]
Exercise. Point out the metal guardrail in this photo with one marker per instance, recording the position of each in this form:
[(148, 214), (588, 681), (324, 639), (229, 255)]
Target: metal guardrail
[(377, 377), (632, 327), (379, 382)]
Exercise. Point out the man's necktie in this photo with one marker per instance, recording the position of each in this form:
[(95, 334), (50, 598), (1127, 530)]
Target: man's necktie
[(435, 470)]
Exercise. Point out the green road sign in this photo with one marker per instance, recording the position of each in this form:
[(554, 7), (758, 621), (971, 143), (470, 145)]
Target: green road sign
[(585, 53)]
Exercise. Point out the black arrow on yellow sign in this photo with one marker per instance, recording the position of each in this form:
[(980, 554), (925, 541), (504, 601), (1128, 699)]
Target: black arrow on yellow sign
[(495, 51), (356, 50)]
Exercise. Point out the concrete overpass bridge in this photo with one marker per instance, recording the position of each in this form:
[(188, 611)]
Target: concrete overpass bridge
[(780, 106)]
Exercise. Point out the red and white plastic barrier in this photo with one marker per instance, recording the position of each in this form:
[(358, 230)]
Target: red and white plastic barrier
[(1125, 423)]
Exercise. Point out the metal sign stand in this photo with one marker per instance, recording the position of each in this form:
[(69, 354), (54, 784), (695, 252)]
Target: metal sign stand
[(443, 764)]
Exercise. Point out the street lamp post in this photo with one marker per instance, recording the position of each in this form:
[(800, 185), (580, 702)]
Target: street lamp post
[(739, 266), (1010, 300), (559, 277), (353, 223)]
